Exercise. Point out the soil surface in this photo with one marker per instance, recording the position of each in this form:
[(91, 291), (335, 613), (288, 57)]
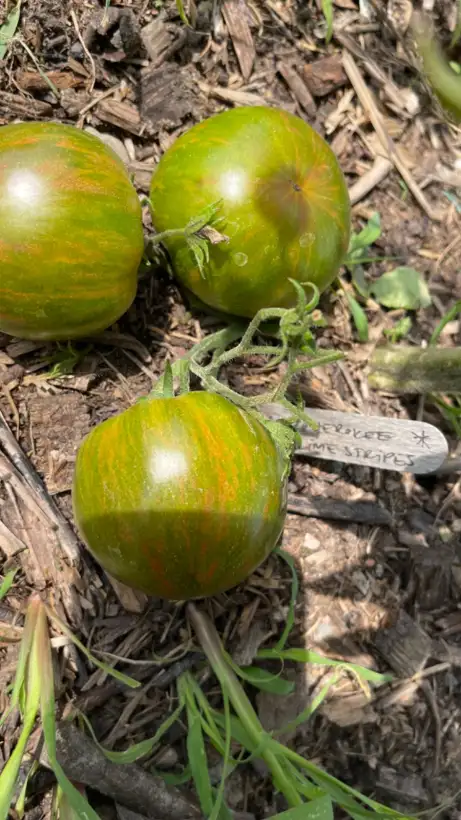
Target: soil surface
[(386, 596)]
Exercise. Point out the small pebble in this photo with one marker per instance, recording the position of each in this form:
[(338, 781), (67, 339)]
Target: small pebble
[(379, 571), (361, 581), (166, 758), (310, 542), (420, 520), (112, 142), (456, 525)]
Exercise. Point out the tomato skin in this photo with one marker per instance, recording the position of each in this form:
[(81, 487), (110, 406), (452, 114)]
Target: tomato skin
[(285, 205), (182, 497), (71, 236)]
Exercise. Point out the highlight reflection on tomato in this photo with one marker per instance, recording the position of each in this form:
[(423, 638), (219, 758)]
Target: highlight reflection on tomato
[(284, 204)]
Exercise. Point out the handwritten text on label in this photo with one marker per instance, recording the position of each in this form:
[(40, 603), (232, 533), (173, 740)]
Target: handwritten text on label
[(390, 444)]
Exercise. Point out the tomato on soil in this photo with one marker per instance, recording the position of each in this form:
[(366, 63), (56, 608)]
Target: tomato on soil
[(71, 236), (180, 497), (284, 201)]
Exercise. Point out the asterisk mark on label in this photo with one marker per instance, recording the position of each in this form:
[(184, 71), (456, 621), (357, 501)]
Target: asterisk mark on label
[(422, 439)]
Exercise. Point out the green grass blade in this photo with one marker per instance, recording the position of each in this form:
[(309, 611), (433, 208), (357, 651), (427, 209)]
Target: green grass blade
[(319, 809), (20, 806), (307, 713), (42, 648), (241, 736), (359, 242), (24, 652), (29, 674), (213, 721), (305, 786), (133, 684), (8, 29), (182, 13), (219, 803), (327, 8), (355, 803), (260, 678), (63, 809), (306, 656), (207, 713), (450, 314), (263, 680), (137, 750), (452, 414), (7, 583), (359, 316), (293, 598), (211, 644), (10, 771), (174, 779), (399, 330), (197, 758), (367, 260)]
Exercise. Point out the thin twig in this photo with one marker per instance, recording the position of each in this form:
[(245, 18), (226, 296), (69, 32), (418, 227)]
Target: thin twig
[(366, 98), (37, 493), (377, 173), (428, 691), (146, 370), (97, 99), (85, 49), (43, 75), (447, 252), (127, 783), (391, 91)]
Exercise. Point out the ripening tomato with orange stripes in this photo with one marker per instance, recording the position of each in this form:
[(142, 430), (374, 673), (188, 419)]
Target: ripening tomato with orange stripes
[(180, 497), (284, 207), (71, 234)]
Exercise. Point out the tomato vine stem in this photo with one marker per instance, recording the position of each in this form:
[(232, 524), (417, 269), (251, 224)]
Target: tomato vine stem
[(292, 342)]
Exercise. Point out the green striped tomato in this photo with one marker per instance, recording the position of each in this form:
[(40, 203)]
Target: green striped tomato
[(180, 497), (71, 235), (284, 201)]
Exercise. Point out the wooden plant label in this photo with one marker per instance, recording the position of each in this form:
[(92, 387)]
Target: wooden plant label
[(373, 441)]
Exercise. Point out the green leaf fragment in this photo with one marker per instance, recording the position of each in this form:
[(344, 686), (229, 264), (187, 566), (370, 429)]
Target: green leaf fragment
[(318, 809), (8, 29), (359, 316), (359, 242), (137, 750), (307, 656), (402, 288), (197, 758), (451, 314), (290, 619), (359, 281), (182, 13), (42, 663), (400, 330), (7, 583), (327, 9), (263, 680), (109, 670)]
